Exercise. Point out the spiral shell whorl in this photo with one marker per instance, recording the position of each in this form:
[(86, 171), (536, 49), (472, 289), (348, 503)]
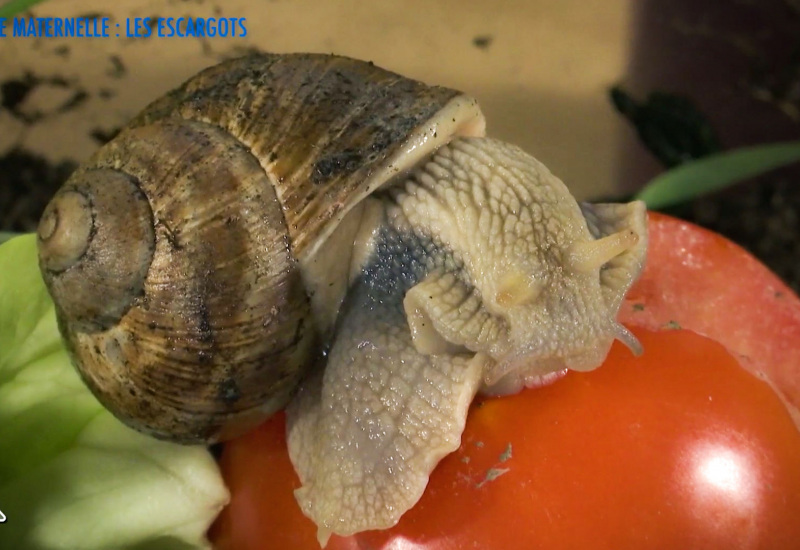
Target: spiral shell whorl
[(219, 332), (96, 244)]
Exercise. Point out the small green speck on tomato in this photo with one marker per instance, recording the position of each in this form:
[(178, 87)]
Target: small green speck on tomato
[(491, 475), (505, 455)]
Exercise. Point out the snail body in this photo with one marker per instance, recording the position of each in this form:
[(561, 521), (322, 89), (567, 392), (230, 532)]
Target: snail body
[(314, 229)]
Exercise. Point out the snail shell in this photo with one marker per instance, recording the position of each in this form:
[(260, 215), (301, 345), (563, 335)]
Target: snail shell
[(196, 260)]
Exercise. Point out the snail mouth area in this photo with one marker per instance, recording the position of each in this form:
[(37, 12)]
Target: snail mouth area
[(514, 373), (534, 365), (510, 378)]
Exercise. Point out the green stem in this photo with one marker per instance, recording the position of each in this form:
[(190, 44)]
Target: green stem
[(715, 172)]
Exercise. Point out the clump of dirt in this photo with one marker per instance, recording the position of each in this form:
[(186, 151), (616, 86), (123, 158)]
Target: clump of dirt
[(27, 181), (762, 215)]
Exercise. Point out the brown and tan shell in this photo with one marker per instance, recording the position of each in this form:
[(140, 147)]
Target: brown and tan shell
[(182, 256)]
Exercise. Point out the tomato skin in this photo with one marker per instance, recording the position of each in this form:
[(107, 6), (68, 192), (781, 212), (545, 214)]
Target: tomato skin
[(680, 448), (614, 459), (623, 457), (257, 469), (707, 284)]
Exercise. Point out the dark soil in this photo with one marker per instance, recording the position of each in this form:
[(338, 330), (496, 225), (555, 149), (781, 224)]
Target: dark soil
[(27, 181), (762, 215)]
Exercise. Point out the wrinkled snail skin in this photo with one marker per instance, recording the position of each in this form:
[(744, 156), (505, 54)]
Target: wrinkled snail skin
[(317, 232), (469, 285)]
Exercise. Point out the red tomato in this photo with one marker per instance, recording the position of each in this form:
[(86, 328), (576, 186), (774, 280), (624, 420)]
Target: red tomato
[(680, 448), (707, 284)]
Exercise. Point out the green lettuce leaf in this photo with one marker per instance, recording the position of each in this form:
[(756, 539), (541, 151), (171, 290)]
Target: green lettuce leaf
[(16, 7), (71, 475)]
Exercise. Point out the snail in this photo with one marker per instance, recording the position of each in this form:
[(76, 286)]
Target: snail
[(317, 233)]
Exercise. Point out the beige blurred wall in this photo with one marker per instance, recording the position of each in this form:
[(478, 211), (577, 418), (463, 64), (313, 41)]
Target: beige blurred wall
[(542, 75)]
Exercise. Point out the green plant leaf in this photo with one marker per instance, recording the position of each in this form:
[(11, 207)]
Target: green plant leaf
[(71, 475), (15, 7), (5, 236), (715, 172)]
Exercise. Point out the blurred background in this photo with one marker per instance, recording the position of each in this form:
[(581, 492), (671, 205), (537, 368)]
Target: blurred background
[(607, 93)]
